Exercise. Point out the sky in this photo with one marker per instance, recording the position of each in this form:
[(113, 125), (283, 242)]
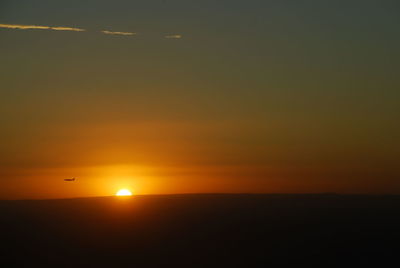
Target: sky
[(174, 96)]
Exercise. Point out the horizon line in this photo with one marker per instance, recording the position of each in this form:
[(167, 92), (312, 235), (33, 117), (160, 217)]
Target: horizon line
[(216, 193)]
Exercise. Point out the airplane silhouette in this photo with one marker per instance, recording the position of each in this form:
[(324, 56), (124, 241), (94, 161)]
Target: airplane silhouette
[(73, 179)]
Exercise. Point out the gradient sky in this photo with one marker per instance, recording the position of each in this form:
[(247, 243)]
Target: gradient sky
[(256, 96)]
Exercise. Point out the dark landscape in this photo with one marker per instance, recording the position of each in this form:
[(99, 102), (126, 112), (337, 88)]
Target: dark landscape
[(202, 230)]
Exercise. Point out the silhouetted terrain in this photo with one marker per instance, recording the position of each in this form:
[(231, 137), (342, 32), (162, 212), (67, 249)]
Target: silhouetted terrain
[(202, 230)]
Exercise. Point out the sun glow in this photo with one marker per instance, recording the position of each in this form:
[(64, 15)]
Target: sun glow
[(124, 192)]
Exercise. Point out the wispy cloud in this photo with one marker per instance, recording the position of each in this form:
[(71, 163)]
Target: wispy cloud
[(23, 27), (39, 27), (174, 36), (73, 29), (118, 33), (67, 29)]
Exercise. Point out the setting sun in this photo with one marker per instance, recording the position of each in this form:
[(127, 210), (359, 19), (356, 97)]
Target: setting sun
[(124, 192)]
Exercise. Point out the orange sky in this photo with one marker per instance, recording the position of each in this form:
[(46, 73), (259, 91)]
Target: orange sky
[(217, 96)]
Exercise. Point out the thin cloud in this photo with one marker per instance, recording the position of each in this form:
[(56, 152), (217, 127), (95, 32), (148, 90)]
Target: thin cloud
[(24, 27), (174, 36), (73, 29), (39, 27), (118, 33), (67, 29)]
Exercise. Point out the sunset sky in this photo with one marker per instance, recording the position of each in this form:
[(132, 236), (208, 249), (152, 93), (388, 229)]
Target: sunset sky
[(177, 96)]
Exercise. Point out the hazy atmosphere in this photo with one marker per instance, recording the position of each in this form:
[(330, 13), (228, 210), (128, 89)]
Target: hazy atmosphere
[(174, 96)]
